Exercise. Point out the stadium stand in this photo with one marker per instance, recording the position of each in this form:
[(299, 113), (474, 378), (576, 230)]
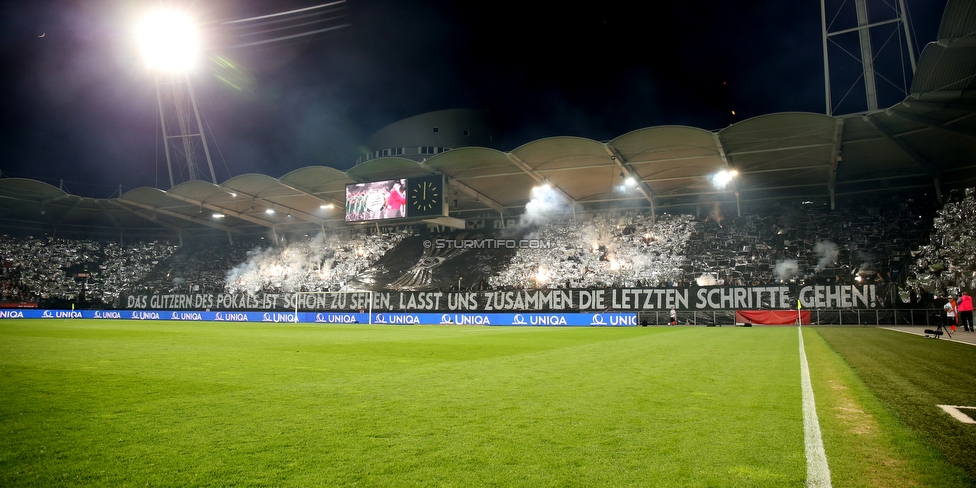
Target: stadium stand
[(818, 199), (799, 243)]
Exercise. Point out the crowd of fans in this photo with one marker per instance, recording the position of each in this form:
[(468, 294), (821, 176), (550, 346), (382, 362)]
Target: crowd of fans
[(800, 243), (947, 263), (803, 243), (604, 250), (75, 270), (807, 243)]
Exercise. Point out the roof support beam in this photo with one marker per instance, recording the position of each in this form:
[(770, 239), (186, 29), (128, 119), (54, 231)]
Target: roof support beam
[(325, 200), (215, 208), (541, 179), (642, 187), (481, 197), (725, 163), (931, 123), (142, 214), (938, 106), (66, 212), (776, 149), (101, 204), (272, 205), (917, 157), (835, 159), (177, 215)]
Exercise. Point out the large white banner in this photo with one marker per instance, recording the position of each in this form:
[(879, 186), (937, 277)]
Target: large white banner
[(615, 299)]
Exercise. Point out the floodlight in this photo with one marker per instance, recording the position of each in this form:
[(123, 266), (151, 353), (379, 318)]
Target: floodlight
[(722, 178), (630, 181), (168, 40)]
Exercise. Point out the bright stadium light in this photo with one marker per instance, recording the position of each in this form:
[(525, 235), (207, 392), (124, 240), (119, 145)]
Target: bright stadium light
[(169, 41), (722, 178)]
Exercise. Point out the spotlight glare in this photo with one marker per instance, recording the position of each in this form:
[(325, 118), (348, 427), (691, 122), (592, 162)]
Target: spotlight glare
[(168, 40), (630, 181), (722, 178)]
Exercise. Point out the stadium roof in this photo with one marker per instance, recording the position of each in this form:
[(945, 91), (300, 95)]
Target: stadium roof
[(927, 142)]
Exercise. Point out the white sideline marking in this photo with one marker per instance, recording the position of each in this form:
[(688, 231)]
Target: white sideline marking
[(949, 339), (954, 411), (818, 472)]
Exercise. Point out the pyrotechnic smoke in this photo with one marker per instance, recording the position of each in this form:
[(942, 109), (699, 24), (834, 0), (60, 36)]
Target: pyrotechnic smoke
[(320, 263), (867, 260), (786, 269), (826, 252), (716, 213), (546, 205)]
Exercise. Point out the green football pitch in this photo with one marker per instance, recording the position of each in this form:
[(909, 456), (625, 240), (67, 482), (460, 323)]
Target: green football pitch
[(127, 403)]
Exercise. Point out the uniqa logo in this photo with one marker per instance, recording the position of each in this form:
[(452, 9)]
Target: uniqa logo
[(233, 317), (598, 320), (379, 319), (331, 318), (67, 314), (186, 316), (472, 319), (404, 319), (11, 314), (47, 314), (107, 315), (278, 317), (623, 320), (547, 319), (519, 320), (145, 315)]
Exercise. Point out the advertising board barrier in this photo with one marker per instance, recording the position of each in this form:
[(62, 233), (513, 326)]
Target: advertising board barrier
[(383, 318)]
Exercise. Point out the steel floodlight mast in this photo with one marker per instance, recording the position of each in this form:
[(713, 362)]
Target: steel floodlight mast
[(867, 51), (170, 46)]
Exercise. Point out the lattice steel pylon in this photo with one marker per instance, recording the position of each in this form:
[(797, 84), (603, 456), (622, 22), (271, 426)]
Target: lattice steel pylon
[(867, 53), (183, 138)]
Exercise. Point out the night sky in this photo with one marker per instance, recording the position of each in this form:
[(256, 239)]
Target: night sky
[(80, 106)]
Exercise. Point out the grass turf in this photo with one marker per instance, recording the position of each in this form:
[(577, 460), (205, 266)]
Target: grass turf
[(911, 375), (117, 403)]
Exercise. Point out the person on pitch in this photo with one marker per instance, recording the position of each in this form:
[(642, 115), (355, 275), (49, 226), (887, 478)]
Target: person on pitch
[(965, 311), (950, 313)]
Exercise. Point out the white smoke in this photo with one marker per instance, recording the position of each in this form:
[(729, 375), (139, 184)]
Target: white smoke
[(786, 269), (826, 252), (321, 263), (546, 205)]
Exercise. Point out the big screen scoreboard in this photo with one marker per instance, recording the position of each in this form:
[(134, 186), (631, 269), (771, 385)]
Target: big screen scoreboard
[(396, 199)]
